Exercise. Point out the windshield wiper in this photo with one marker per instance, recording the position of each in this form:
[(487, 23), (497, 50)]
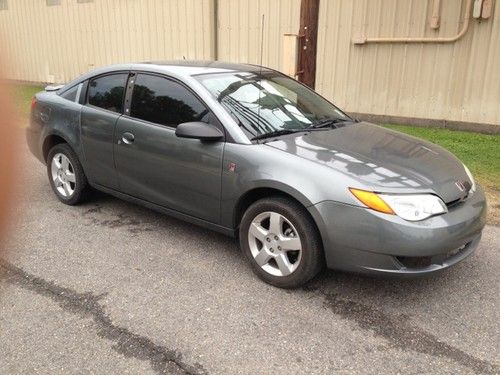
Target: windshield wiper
[(328, 122), (277, 133)]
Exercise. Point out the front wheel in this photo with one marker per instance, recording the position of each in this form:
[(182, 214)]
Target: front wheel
[(281, 242)]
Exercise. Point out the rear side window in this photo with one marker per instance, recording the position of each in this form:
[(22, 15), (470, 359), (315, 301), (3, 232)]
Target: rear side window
[(72, 93), (107, 92), (162, 101)]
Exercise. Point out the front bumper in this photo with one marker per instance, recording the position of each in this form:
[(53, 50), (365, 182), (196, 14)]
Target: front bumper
[(363, 240)]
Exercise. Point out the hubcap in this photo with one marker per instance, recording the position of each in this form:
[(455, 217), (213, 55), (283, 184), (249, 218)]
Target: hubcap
[(63, 175), (275, 244)]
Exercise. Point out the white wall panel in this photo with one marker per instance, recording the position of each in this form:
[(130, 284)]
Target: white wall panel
[(458, 81), (57, 43)]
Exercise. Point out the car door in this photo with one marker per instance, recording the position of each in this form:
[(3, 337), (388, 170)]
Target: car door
[(103, 107), (153, 163)]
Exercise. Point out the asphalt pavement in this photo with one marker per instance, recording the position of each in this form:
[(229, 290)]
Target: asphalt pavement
[(109, 287)]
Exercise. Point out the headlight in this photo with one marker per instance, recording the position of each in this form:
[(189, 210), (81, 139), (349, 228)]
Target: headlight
[(411, 207), (471, 178), (415, 207)]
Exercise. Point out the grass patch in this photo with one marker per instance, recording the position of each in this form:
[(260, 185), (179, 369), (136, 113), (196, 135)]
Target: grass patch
[(480, 152), (22, 97)]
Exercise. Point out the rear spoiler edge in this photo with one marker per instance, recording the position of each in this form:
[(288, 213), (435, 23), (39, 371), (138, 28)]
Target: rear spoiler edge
[(50, 88)]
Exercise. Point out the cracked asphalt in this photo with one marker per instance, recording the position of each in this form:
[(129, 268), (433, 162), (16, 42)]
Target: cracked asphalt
[(109, 287)]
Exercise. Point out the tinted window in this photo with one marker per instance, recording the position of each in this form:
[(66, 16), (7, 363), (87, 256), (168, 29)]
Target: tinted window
[(107, 92), (165, 102), (71, 93)]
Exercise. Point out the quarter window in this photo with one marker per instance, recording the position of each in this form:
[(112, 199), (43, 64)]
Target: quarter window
[(72, 93), (162, 101), (107, 92)]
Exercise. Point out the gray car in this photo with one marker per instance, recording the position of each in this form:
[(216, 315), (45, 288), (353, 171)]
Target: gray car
[(249, 152)]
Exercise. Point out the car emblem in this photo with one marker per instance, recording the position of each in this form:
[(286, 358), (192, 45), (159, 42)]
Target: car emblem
[(460, 185)]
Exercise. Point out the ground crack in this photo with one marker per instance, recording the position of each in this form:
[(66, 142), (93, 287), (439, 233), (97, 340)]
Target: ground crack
[(401, 334), (129, 344)]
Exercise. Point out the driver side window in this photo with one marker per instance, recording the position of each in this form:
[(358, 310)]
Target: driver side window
[(165, 102)]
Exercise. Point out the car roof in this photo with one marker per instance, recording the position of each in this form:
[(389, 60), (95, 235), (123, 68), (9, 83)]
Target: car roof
[(183, 67), (194, 67), (177, 68)]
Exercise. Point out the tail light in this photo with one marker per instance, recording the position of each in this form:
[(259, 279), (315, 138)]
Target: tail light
[(33, 103)]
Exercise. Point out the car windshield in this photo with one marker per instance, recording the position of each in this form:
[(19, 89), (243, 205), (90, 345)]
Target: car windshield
[(270, 103)]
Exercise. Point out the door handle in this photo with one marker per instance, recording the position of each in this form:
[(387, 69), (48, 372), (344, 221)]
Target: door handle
[(128, 138)]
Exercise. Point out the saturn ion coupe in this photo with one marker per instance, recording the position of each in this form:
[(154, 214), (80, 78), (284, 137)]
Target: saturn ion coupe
[(250, 152)]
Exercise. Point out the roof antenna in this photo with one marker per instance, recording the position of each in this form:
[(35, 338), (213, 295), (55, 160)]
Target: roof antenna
[(260, 70)]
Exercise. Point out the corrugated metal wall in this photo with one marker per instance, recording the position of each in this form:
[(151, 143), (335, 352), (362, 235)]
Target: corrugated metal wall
[(457, 82), (57, 43), (239, 29)]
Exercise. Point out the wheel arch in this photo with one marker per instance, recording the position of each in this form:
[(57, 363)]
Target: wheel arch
[(52, 140), (257, 193)]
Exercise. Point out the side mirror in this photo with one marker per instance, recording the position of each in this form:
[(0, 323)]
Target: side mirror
[(199, 130)]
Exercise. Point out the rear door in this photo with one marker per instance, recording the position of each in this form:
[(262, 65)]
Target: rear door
[(103, 106), (153, 163)]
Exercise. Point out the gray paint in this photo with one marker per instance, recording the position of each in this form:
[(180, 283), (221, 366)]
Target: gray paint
[(180, 173), (377, 159), (193, 180), (97, 129), (366, 241)]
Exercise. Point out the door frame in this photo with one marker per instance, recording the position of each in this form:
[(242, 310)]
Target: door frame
[(129, 89), (84, 95)]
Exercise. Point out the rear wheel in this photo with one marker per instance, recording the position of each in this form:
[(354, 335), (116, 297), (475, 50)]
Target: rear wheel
[(66, 174), (281, 242)]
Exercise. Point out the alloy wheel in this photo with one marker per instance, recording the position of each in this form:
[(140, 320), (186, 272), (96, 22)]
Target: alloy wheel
[(63, 175), (275, 243)]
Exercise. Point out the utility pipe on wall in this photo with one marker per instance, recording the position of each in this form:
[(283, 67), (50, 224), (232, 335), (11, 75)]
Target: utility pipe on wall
[(463, 31)]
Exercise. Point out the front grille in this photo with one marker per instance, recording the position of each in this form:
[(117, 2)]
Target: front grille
[(415, 262), (454, 252), (456, 202), (467, 186), (422, 262)]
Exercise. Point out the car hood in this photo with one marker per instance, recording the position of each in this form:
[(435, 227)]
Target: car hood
[(381, 159)]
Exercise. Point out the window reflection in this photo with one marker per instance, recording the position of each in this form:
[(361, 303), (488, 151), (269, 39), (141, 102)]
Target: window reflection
[(107, 92), (266, 102)]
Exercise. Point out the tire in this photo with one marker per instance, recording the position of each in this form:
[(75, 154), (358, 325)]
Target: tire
[(268, 252), (75, 187)]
